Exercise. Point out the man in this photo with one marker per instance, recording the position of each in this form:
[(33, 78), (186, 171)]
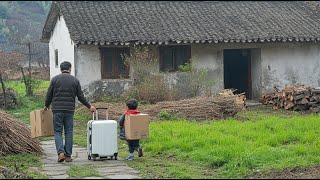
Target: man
[(62, 92)]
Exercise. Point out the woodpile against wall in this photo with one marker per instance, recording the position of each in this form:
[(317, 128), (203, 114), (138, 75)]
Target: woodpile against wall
[(294, 97)]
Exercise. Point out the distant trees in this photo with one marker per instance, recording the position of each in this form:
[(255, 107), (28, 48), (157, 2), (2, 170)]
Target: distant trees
[(3, 12), (23, 24)]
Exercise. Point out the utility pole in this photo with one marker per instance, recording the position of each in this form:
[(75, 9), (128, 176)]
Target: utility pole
[(28, 82), (29, 69)]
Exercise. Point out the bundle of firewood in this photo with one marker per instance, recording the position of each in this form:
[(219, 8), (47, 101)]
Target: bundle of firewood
[(222, 106), (294, 97), (16, 137)]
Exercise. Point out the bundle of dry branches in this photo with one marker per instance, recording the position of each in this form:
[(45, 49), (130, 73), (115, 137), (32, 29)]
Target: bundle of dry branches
[(222, 106), (16, 137)]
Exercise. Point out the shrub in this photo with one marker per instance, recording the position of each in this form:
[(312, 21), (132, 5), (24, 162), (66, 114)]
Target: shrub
[(185, 67), (149, 85), (164, 115)]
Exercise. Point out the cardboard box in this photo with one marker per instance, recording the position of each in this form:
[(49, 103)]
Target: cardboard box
[(137, 126), (41, 122)]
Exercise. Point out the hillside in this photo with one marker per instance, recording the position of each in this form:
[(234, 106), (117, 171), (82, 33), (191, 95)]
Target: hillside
[(21, 20)]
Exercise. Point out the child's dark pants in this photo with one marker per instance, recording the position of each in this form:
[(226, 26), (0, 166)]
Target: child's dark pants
[(133, 145)]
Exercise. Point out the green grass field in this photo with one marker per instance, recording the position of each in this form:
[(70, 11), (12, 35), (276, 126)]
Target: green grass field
[(258, 140), (262, 140)]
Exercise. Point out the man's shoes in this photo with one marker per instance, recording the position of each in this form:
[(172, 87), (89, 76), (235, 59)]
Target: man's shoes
[(61, 157), (130, 158), (68, 159), (140, 152)]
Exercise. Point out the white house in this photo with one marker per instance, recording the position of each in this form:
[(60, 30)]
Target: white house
[(248, 45)]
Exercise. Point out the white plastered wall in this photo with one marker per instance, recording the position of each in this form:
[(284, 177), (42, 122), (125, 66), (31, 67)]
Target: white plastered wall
[(60, 40)]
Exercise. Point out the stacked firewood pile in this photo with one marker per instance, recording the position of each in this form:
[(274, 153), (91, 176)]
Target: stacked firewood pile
[(11, 98), (294, 97), (16, 137)]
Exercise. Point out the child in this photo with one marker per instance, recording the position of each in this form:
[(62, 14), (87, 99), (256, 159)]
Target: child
[(133, 144)]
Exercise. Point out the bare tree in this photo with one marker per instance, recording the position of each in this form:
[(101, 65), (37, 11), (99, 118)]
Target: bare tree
[(31, 49)]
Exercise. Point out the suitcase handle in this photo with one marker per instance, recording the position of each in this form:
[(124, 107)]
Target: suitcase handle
[(107, 113)]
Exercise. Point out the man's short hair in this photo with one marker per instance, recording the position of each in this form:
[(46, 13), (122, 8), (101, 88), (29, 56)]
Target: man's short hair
[(132, 104), (65, 66)]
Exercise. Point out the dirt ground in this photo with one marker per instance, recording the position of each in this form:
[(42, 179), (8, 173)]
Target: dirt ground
[(290, 173)]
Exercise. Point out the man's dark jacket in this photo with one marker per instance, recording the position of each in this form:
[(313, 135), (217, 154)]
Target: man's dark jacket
[(63, 90)]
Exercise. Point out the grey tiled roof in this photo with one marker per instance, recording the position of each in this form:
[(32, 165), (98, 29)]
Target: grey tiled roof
[(105, 22)]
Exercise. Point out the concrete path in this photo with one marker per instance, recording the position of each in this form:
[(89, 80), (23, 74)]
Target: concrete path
[(107, 169)]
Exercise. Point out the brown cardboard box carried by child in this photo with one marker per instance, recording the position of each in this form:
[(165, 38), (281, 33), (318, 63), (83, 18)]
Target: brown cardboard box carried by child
[(137, 126), (41, 122)]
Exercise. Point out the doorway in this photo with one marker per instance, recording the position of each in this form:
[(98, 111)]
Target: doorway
[(237, 70)]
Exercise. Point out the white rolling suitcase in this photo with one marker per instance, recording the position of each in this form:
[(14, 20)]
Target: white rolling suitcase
[(102, 140)]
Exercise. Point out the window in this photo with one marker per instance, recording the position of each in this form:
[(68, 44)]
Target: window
[(56, 57), (171, 57), (112, 63)]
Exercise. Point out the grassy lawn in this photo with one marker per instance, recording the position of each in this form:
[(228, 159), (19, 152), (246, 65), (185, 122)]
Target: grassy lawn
[(260, 140)]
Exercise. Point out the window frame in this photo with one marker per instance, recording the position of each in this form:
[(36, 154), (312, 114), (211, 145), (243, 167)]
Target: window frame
[(174, 58), (115, 69), (56, 58)]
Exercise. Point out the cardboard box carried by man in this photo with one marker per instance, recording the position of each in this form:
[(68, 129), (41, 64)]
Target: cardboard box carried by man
[(41, 123)]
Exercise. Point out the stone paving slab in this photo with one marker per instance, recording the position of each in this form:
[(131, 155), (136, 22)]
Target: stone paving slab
[(110, 169), (93, 178), (124, 176), (60, 177)]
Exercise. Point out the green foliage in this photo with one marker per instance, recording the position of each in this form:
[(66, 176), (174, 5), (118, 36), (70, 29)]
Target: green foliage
[(82, 171), (185, 67), (164, 115)]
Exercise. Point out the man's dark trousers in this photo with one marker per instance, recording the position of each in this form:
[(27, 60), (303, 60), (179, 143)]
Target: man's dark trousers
[(63, 120)]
